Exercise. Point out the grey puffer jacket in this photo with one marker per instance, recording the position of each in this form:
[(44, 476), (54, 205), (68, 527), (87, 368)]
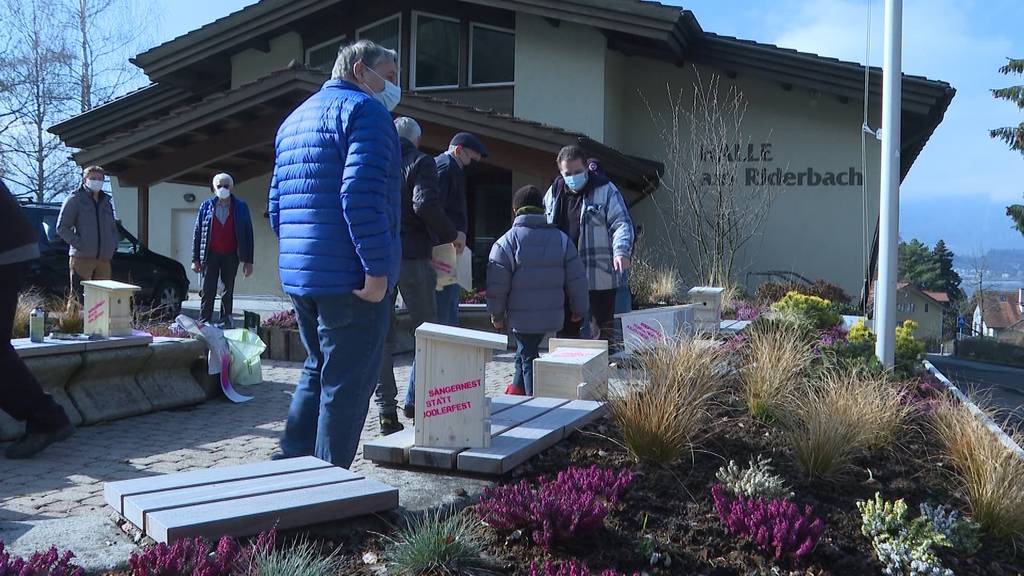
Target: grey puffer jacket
[(89, 227), (530, 271)]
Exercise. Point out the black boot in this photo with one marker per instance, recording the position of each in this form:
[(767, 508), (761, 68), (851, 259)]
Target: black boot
[(33, 443), (389, 424), (410, 412)]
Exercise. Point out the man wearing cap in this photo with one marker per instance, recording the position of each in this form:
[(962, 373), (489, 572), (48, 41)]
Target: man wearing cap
[(463, 150)]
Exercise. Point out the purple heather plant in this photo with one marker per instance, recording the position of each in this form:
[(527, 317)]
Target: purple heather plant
[(285, 319), (776, 526), (576, 502), (748, 311), (48, 563), (570, 568), (833, 336), (194, 557)]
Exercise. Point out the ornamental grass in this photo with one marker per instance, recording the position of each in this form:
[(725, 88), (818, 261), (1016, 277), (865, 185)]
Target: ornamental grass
[(777, 357), (667, 410), (439, 544), (988, 475), (27, 302)]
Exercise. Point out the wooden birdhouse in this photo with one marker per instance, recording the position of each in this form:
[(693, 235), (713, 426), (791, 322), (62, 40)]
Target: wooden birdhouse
[(108, 308)]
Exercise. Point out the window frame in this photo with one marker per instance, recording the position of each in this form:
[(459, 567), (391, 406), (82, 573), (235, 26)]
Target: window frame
[(469, 71), (412, 53), (398, 16), (309, 50)]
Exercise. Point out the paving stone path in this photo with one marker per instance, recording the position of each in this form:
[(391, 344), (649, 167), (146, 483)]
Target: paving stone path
[(67, 479)]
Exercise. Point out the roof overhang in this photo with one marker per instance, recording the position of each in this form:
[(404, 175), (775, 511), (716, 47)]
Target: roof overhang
[(234, 131)]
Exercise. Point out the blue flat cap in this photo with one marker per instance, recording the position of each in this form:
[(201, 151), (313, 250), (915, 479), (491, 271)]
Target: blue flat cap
[(467, 140)]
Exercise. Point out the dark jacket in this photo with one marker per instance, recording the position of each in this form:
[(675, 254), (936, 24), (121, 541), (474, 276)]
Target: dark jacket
[(89, 227), (336, 193), (18, 240), (451, 181), (424, 222), (530, 271), (204, 225)]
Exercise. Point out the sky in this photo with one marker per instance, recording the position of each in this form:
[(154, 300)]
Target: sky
[(960, 185)]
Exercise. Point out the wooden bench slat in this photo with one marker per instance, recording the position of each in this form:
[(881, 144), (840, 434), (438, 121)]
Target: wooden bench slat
[(293, 509), (519, 444), (394, 448), (115, 492), (500, 422), (136, 507)]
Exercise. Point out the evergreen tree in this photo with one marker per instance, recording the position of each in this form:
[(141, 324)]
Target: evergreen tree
[(950, 279), (918, 266), (1013, 136)]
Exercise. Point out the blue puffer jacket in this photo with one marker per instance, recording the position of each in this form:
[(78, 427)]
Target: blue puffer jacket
[(335, 196)]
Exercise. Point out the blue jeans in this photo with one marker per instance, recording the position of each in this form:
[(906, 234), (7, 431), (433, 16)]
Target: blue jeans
[(448, 305), (527, 350), (343, 336)]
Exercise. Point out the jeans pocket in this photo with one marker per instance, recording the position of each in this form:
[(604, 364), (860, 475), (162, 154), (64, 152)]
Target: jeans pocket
[(337, 311)]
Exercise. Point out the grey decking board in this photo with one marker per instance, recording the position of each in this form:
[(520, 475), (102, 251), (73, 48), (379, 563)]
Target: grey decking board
[(292, 509), (394, 448), (136, 507), (521, 443), (115, 492), (446, 458)]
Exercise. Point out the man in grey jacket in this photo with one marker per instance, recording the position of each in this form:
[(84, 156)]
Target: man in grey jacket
[(88, 223)]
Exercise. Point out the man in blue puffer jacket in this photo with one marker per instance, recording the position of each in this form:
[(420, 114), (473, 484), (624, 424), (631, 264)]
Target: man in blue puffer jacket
[(335, 205)]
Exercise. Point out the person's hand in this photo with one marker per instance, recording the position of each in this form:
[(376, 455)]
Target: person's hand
[(498, 323), (621, 263), (247, 269), (460, 243), (374, 289), (575, 318), (196, 267)]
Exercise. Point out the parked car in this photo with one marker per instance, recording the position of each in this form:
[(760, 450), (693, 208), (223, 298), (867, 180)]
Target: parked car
[(163, 280)]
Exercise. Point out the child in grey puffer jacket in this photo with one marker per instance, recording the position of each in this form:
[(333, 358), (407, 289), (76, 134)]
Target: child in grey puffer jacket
[(531, 270)]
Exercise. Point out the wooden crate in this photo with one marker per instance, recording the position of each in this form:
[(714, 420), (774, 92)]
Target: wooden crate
[(642, 329), (707, 301), (451, 405), (108, 308), (572, 369), (244, 500)]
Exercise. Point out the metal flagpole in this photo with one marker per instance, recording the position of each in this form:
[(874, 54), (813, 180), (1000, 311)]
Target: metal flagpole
[(889, 205)]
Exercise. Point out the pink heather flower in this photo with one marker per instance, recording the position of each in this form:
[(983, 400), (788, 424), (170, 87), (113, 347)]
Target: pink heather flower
[(570, 568), (576, 502), (776, 526)]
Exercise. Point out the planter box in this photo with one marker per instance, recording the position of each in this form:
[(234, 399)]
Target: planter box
[(645, 328), (574, 369), (296, 351)]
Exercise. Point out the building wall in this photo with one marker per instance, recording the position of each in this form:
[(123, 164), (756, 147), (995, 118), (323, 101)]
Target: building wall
[(252, 64), (814, 230), (167, 199), (560, 75), (927, 314)]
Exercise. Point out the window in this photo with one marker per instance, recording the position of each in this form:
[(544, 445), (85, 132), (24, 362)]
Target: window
[(925, 307), (492, 56), (435, 44), (386, 32), (322, 56)]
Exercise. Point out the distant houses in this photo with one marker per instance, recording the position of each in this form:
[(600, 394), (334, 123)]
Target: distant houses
[(1000, 314)]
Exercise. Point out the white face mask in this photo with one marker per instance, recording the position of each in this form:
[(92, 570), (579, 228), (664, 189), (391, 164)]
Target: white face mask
[(94, 185), (223, 193), (390, 96)]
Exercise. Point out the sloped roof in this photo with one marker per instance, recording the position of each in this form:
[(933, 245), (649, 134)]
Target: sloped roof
[(1001, 309)]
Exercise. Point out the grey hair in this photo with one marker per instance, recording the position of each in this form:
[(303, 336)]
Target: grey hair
[(408, 129), (223, 176), (363, 50)]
